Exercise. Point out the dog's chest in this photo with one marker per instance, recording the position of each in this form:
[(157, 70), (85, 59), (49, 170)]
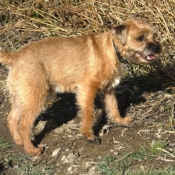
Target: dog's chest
[(115, 82), (111, 82), (115, 76)]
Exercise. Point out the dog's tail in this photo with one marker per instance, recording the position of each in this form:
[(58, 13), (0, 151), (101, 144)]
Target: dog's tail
[(7, 57)]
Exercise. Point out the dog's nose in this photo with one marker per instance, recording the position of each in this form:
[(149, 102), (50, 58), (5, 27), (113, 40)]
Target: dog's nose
[(154, 47)]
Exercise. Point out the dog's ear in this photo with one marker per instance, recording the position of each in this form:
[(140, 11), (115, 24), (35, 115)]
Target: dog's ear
[(121, 33)]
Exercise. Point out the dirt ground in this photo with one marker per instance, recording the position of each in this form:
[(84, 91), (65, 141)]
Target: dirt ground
[(149, 100)]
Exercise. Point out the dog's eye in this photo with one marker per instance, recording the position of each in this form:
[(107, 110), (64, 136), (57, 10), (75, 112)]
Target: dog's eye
[(141, 38)]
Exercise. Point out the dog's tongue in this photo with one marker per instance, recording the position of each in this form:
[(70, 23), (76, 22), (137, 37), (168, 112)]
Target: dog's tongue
[(150, 57)]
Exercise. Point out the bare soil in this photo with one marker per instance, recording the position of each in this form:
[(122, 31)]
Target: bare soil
[(148, 99)]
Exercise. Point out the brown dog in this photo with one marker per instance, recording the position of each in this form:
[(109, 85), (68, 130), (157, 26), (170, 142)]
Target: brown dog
[(84, 65)]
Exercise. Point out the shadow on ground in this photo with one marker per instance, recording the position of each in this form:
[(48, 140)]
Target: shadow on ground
[(129, 92)]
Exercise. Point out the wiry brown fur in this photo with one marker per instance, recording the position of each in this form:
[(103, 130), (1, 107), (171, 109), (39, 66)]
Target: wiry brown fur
[(84, 65)]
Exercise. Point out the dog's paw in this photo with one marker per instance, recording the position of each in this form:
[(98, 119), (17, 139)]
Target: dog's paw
[(126, 121), (18, 141), (89, 136), (87, 133), (40, 150), (96, 140), (35, 151)]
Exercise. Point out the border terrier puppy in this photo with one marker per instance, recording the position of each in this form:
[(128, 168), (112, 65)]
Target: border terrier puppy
[(85, 65)]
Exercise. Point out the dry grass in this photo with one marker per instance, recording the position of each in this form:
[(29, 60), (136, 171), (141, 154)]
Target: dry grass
[(22, 21)]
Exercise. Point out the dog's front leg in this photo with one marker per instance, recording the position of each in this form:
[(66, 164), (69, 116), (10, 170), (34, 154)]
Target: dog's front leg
[(111, 107), (85, 100)]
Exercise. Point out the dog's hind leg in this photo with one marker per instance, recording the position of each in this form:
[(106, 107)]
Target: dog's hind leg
[(32, 102), (13, 120)]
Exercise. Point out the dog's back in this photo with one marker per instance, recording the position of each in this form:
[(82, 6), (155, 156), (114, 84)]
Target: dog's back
[(73, 59)]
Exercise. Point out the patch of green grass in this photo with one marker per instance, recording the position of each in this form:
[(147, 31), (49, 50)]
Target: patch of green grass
[(156, 146), (35, 170), (167, 107), (169, 170), (24, 165), (171, 122), (112, 165), (139, 156), (122, 164), (21, 161), (35, 15), (4, 144)]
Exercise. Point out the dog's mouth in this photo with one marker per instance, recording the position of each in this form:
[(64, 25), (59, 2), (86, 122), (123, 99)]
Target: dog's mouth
[(147, 58)]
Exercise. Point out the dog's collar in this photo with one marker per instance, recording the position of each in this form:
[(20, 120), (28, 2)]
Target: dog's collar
[(120, 57)]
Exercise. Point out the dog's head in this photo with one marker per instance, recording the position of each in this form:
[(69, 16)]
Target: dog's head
[(138, 40)]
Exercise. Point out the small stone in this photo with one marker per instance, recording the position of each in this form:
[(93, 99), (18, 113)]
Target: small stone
[(92, 170), (71, 158), (105, 130), (70, 169), (116, 153), (78, 136), (87, 164), (67, 149), (16, 167), (161, 108), (64, 159), (58, 130), (56, 152)]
